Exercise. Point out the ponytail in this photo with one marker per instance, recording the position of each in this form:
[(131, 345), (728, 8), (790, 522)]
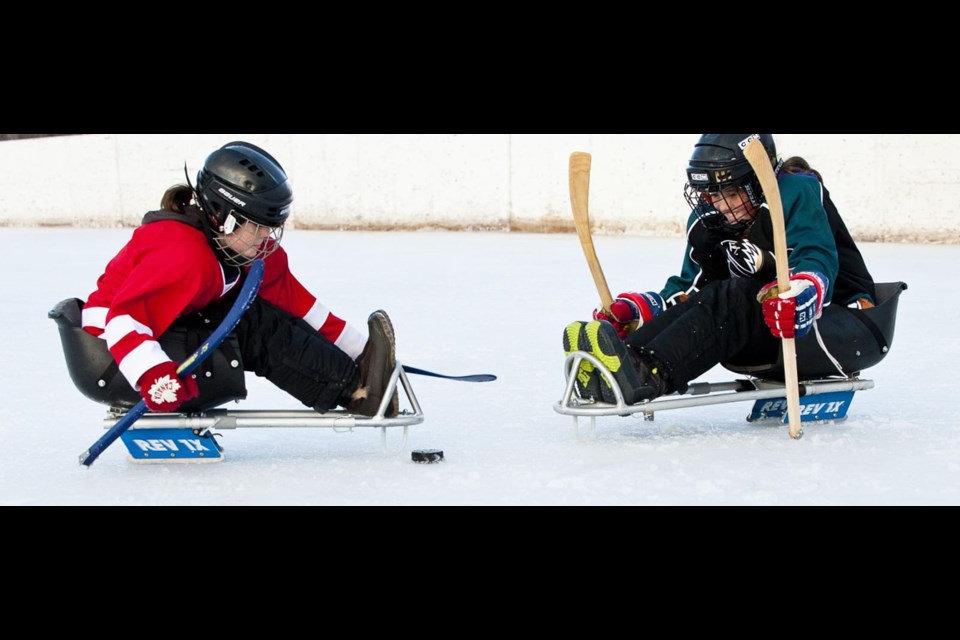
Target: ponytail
[(177, 198), (798, 165)]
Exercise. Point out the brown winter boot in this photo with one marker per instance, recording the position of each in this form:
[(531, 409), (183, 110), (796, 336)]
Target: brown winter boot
[(377, 362)]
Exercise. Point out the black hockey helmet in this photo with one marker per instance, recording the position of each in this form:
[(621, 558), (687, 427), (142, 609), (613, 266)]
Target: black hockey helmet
[(245, 180), (718, 163)]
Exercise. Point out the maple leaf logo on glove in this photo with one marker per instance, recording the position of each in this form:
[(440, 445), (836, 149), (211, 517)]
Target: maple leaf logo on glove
[(164, 390)]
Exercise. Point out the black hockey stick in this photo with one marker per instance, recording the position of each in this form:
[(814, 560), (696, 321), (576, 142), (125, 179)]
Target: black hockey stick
[(247, 294), (477, 377)]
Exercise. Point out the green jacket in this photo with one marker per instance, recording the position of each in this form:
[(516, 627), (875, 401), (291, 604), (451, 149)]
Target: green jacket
[(810, 240)]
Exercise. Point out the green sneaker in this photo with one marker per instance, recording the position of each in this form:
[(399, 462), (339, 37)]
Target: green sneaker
[(608, 348), (588, 380)]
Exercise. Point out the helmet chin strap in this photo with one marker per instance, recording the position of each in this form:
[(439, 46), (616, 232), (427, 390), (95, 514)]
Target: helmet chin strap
[(735, 230), (213, 225), (214, 230), (186, 174)]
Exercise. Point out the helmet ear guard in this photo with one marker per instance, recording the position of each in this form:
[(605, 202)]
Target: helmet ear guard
[(229, 224)]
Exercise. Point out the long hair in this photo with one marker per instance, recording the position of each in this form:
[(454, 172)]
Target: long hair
[(177, 198), (796, 164)]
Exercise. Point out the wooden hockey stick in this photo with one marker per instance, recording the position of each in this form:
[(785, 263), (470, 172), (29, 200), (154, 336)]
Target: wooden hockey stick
[(579, 198), (757, 157)]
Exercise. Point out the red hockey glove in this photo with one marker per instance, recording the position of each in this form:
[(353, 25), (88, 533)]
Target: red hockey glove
[(747, 260), (791, 314), (163, 390), (630, 310)]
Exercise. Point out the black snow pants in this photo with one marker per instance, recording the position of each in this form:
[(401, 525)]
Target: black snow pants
[(295, 357), (723, 324)]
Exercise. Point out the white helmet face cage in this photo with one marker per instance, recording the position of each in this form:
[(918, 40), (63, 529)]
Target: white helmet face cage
[(241, 241), (742, 196)]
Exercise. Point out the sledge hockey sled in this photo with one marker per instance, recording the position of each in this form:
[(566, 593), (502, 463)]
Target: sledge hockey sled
[(869, 333), (188, 436)]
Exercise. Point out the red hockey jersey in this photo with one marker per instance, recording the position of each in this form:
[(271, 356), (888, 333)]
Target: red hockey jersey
[(168, 269)]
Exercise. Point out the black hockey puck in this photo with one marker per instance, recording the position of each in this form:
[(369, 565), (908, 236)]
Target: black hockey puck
[(427, 456)]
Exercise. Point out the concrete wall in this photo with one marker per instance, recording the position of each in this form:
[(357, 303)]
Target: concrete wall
[(897, 187)]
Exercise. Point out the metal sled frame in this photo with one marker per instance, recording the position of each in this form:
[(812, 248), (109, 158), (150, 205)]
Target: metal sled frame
[(339, 420), (698, 394)]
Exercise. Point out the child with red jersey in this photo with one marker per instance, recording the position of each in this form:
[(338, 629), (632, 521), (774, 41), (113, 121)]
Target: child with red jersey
[(184, 262)]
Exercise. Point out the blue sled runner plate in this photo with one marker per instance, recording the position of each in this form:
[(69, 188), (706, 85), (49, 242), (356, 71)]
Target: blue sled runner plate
[(171, 445), (815, 408)]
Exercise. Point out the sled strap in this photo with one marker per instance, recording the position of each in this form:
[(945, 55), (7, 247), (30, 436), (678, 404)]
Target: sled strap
[(108, 373), (826, 352), (872, 328)]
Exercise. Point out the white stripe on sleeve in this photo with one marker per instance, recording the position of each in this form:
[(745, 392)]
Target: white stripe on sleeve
[(351, 341), (317, 315), (146, 356), (95, 317), (121, 326)]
